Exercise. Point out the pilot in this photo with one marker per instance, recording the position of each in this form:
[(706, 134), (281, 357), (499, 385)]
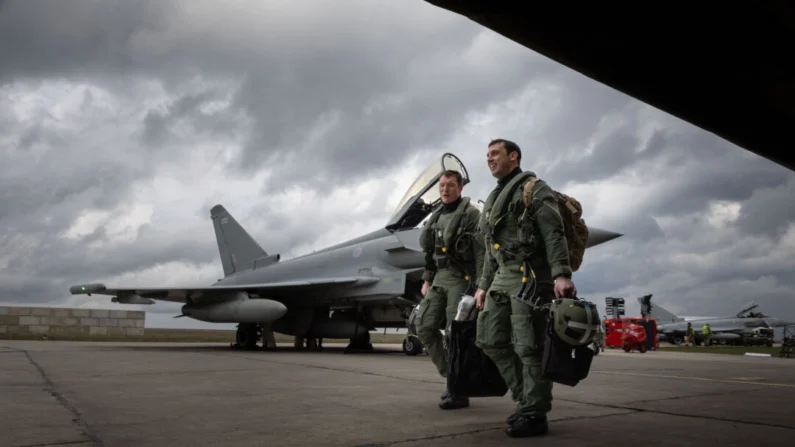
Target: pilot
[(690, 335), (453, 255), (508, 331)]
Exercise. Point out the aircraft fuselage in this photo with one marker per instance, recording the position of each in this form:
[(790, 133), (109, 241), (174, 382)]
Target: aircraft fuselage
[(379, 254)]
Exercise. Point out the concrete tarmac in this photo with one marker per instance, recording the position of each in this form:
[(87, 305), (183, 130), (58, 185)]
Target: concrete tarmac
[(137, 394)]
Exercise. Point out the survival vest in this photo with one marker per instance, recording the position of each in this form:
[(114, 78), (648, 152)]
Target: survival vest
[(452, 231), (569, 208)]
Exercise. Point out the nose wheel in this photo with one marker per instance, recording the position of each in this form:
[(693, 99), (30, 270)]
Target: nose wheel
[(412, 345)]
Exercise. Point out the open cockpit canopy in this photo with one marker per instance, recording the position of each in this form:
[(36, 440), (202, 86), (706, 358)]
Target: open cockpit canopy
[(423, 195)]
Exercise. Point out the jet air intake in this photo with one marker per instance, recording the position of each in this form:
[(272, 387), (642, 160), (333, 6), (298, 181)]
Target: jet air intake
[(240, 310)]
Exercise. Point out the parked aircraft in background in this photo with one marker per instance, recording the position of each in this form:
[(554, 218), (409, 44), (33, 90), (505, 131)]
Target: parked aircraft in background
[(725, 330), (370, 281)]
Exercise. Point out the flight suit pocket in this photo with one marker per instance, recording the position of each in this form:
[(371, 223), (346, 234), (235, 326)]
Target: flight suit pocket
[(421, 313), (492, 332), (513, 269), (523, 336)]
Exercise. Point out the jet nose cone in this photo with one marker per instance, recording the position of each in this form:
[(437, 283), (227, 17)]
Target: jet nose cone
[(598, 236)]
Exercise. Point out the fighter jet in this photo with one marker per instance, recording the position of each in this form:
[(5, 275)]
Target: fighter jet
[(725, 330), (371, 281)]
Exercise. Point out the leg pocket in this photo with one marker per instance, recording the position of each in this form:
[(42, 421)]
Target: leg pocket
[(527, 334), (421, 313), (494, 331), (522, 335), (430, 316)]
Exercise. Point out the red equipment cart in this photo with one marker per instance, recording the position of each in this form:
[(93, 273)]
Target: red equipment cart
[(615, 328), (634, 337)]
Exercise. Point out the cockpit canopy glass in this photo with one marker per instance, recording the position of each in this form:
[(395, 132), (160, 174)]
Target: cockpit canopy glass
[(429, 175)]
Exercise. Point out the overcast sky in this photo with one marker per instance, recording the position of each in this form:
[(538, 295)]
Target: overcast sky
[(122, 123)]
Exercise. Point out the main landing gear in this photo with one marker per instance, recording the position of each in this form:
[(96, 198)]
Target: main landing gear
[(248, 334), (359, 344)]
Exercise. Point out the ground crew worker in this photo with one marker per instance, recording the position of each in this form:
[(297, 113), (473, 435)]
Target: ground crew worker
[(706, 331), (503, 318), (690, 335), (454, 255)]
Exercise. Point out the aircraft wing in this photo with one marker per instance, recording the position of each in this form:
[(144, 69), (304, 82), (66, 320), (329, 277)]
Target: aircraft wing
[(146, 295)]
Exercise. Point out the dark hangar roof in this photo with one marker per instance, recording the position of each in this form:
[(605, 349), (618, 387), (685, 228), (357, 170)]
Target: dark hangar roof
[(726, 68)]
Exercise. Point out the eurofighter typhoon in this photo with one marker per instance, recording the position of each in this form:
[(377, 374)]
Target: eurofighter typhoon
[(373, 280)]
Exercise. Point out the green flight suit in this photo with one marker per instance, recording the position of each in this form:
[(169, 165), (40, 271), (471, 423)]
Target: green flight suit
[(508, 331), (451, 273)]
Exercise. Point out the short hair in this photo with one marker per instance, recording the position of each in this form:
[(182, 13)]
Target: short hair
[(452, 173), (509, 146)]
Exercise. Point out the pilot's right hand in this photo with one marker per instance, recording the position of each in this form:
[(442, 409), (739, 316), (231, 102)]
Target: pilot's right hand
[(480, 298), (425, 286)]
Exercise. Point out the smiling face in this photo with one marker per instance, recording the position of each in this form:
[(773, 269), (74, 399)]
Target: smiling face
[(450, 188), (500, 162)]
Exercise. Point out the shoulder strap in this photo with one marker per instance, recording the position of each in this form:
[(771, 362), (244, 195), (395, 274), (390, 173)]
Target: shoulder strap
[(455, 219), (503, 199), (435, 215), (527, 192), (426, 241)]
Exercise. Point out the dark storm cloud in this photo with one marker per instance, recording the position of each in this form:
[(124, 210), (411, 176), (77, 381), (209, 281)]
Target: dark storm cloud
[(157, 124), (703, 167), (769, 210), (696, 267), (430, 104), (379, 104), (60, 180), (80, 38), (690, 167)]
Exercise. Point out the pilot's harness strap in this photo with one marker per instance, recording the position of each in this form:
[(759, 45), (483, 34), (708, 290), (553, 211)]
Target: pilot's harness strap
[(502, 204), (452, 230)]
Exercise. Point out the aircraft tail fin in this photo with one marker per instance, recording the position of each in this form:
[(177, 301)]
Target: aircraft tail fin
[(656, 311), (238, 250)]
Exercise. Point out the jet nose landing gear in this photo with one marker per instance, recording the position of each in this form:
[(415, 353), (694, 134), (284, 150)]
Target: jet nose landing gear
[(412, 345)]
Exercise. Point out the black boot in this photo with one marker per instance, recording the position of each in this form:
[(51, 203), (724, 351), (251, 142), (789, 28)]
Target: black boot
[(526, 426), (512, 419), (453, 403)]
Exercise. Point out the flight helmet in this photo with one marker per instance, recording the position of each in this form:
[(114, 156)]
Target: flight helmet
[(575, 322)]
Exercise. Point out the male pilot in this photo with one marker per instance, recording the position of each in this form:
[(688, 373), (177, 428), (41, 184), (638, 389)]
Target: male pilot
[(509, 331), (454, 256)]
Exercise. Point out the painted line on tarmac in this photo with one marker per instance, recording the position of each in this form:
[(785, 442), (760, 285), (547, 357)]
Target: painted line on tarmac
[(703, 379)]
